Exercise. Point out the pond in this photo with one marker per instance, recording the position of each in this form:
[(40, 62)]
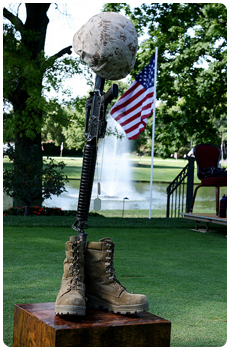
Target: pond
[(137, 194), (138, 197)]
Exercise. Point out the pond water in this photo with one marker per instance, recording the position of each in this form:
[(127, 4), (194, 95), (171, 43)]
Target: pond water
[(137, 194), (138, 198)]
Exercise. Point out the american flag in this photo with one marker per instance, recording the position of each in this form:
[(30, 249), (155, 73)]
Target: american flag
[(136, 104)]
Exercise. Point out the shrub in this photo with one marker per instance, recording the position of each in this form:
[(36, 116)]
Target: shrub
[(38, 211)]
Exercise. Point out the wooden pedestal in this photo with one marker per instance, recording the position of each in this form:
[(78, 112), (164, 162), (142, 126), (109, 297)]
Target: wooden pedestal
[(36, 325)]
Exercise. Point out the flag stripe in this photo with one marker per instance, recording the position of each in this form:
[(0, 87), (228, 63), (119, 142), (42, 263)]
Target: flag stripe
[(137, 117), (145, 111), (129, 111), (136, 104), (130, 126), (130, 129), (130, 97), (128, 104)]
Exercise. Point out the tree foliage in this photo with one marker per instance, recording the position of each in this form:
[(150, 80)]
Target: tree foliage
[(70, 127), (21, 182), (74, 131), (55, 117), (28, 74), (192, 68)]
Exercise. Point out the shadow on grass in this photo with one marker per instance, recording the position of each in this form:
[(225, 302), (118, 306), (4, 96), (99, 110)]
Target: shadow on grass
[(96, 220), (157, 166)]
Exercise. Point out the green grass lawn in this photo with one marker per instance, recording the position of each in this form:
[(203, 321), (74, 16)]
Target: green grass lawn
[(164, 170), (182, 272)]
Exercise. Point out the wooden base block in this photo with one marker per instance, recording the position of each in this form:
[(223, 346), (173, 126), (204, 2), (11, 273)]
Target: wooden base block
[(36, 325)]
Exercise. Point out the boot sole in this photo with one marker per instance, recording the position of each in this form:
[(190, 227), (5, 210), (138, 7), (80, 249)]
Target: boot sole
[(69, 310), (95, 303)]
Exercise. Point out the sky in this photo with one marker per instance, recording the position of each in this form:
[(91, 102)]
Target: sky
[(64, 23), (60, 36)]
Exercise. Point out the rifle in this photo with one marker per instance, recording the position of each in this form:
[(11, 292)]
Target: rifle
[(95, 127)]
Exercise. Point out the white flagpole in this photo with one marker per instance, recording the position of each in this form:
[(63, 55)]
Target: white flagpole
[(153, 132)]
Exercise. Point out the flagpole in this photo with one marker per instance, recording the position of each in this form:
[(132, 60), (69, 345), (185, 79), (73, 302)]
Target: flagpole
[(153, 133)]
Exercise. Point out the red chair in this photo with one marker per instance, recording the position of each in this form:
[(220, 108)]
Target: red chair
[(208, 156)]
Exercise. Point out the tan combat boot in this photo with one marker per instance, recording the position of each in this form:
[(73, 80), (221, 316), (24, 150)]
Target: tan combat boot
[(102, 287), (71, 297)]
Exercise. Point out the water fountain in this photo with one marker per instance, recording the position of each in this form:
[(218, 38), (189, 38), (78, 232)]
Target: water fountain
[(115, 176), (114, 172)]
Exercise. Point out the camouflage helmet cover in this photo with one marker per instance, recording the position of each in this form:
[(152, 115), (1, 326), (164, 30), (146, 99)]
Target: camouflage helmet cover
[(108, 43)]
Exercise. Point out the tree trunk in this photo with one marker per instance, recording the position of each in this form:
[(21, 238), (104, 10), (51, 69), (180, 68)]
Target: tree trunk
[(36, 23), (25, 147)]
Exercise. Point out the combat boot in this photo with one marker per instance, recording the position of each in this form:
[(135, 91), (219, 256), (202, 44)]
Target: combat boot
[(71, 297), (102, 287)]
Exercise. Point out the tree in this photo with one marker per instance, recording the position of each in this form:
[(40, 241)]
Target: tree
[(193, 94), (21, 183), (55, 118), (74, 131), (25, 69)]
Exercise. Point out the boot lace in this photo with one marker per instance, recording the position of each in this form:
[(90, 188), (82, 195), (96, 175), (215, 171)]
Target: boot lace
[(109, 265), (75, 267)]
